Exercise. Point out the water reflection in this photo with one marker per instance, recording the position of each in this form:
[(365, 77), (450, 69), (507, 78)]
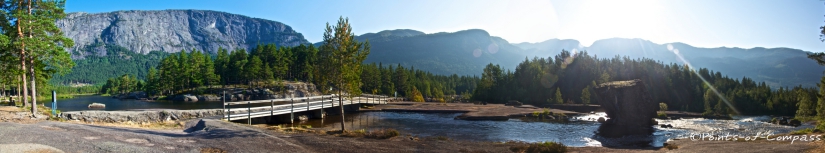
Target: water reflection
[(81, 103)]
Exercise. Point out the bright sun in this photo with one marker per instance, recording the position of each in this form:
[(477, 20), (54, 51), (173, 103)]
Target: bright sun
[(605, 19)]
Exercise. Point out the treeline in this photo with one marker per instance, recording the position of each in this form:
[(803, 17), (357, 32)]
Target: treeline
[(123, 84), (417, 85), (266, 65), (565, 77), (104, 61)]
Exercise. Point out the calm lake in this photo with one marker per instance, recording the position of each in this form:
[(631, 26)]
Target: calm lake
[(81, 103), (578, 133)]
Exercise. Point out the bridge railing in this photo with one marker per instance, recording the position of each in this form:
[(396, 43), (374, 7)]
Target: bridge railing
[(257, 108), (252, 111)]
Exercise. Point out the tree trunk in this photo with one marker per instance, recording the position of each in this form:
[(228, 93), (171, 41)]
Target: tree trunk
[(34, 88), (25, 97), (341, 104), (31, 65), (18, 92)]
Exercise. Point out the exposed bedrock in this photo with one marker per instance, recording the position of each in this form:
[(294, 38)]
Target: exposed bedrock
[(629, 108)]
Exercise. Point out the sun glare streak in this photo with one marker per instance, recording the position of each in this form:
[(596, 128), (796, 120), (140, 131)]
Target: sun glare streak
[(676, 51)]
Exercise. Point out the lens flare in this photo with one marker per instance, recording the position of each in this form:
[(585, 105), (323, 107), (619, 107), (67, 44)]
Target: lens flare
[(570, 59), (477, 53), (492, 48), (676, 51)]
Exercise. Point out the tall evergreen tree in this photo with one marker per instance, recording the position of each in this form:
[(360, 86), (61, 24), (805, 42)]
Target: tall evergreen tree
[(558, 99), (341, 57), (586, 95), (222, 66), (820, 103)]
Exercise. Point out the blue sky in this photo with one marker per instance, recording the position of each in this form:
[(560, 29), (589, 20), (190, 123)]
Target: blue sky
[(703, 23)]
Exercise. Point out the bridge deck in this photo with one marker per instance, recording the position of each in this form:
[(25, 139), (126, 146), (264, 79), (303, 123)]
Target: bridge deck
[(293, 105)]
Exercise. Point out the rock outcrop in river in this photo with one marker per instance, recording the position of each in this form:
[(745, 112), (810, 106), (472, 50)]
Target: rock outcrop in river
[(629, 107)]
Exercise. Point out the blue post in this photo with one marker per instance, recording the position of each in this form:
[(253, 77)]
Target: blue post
[(54, 102)]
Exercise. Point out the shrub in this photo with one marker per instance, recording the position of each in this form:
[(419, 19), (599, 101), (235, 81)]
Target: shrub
[(661, 115), (383, 134), (356, 133), (803, 131), (541, 147), (671, 146), (820, 126)]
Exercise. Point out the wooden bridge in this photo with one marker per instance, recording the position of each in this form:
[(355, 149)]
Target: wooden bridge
[(272, 107)]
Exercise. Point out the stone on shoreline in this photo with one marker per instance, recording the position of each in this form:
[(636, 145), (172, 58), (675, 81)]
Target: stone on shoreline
[(97, 105)]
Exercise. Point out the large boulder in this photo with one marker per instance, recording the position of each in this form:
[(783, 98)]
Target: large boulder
[(629, 108), (185, 98), (136, 95), (208, 98)]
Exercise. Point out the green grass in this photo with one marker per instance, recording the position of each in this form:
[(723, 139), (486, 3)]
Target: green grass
[(803, 131)]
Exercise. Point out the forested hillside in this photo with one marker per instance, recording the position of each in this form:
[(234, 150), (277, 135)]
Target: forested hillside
[(463, 52), (563, 79), (778, 67), (112, 61)]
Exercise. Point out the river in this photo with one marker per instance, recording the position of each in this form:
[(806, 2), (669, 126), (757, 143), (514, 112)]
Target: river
[(579, 132)]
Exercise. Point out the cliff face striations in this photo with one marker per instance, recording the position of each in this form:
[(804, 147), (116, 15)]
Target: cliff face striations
[(173, 31)]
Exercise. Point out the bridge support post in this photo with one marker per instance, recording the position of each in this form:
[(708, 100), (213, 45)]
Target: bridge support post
[(223, 112), (291, 110), (248, 113), (322, 104), (271, 110), (317, 114)]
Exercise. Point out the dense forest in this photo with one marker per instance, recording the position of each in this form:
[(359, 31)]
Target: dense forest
[(107, 62), (563, 79), (266, 65)]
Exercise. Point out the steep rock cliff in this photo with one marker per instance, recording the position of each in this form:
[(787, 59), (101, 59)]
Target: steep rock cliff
[(173, 31)]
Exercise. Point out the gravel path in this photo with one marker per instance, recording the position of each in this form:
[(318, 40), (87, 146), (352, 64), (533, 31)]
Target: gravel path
[(202, 134)]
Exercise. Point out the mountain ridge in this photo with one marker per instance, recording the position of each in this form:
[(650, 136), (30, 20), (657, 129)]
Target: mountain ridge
[(463, 52), (143, 31)]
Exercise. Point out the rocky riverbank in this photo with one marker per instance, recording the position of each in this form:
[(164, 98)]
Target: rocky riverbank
[(140, 116), (471, 111), (290, 89)]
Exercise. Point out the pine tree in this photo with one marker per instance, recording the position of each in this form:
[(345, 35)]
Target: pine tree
[(820, 103), (222, 66), (151, 81), (806, 105), (586, 95), (208, 73), (252, 71), (558, 99), (341, 57)]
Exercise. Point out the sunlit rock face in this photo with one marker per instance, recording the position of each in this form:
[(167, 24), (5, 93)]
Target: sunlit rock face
[(629, 108), (173, 31)]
